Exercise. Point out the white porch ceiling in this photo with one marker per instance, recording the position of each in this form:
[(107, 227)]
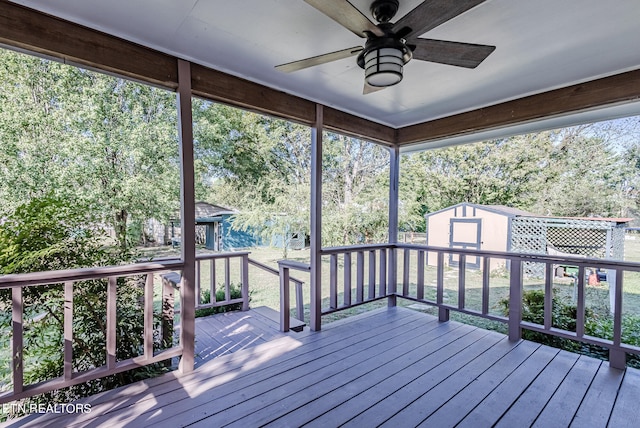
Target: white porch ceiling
[(541, 45)]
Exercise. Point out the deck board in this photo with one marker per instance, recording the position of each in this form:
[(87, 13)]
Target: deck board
[(525, 410), (488, 411), (458, 406), (391, 367), (595, 409), (625, 412), (569, 395)]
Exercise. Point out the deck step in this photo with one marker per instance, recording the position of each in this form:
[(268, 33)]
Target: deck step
[(294, 323)]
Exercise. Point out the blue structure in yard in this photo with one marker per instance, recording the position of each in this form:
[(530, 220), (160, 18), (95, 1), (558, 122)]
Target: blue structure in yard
[(218, 233)]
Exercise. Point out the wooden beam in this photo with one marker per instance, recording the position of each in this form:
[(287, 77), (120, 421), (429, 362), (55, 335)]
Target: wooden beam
[(354, 126), (218, 86), (612, 90), (221, 87), (27, 29)]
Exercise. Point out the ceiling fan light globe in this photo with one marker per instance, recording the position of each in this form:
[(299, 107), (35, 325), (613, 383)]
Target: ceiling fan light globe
[(383, 67)]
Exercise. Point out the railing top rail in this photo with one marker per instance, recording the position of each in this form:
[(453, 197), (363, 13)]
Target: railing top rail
[(229, 254), (352, 248), (542, 258), (292, 264), (59, 276), (272, 270)]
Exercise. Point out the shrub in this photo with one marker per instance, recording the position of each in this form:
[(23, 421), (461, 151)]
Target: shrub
[(564, 317), (235, 292)]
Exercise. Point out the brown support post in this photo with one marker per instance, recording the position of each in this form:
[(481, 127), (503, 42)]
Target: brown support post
[(394, 179), (187, 217), (515, 300), (443, 313), (316, 220), (284, 299)]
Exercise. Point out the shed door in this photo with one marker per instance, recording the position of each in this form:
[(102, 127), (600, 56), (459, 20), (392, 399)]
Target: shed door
[(465, 233)]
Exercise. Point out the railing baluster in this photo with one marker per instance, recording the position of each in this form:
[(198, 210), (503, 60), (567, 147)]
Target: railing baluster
[(392, 275), (198, 293), (548, 297), (347, 279), (486, 275), (617, 357), (359, 276), (68, 330), (372, 274), (383, 273), (333, 281), (227, 279), (420, 285), (299, 301), (168, 312), (244, 278), (148, 316), (17, 314), (443, 314), (112, 291), (580, 303), (462, 273), (406, 266), (212, 281)]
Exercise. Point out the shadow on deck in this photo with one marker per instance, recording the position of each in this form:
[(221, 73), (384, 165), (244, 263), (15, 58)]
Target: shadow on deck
[(388, 367), (228, 332)]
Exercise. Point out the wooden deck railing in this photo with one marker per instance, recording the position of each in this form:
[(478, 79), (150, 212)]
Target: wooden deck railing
[(69, 278), (285, 267), (361, 274), (166, 272)]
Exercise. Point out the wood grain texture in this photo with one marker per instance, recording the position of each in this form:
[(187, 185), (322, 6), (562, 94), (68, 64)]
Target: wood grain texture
[(620, 88), (31, 30), (393, 367)]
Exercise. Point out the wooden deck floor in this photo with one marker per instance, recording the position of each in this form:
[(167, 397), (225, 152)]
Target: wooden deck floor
[(390, 367)]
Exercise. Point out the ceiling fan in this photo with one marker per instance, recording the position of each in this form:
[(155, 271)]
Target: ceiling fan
[(390, 46)]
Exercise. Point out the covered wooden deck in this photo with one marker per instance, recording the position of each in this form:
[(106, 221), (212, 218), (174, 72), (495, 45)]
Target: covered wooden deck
[(389, 367)]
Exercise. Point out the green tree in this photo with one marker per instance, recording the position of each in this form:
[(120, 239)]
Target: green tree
[(130, 153), (38, 107), (75, 133), (503, 172)]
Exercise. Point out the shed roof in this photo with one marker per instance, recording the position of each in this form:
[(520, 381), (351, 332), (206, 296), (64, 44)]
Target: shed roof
[(498, 209), (205, 209)]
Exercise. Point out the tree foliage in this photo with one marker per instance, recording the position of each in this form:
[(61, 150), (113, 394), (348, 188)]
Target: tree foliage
[(107, 142)]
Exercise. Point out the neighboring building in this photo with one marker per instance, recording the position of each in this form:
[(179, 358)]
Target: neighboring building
[(218, 233), (501, 228)]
